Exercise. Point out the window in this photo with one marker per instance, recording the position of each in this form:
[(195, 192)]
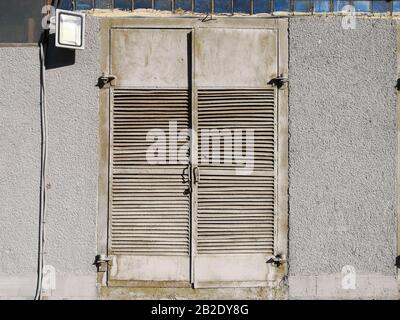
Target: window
[(339, 4), (261, 6), (362, 6), (222, 6), (123, 4), (281, 5), (87, 4), (302, 5), (103, 4), (20, 21), (381, 6), (322, 6), (163, 5), (244, 6), (143, 4), (185, 5), (202, 6)]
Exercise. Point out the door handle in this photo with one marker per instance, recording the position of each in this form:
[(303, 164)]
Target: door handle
[(196, 175)]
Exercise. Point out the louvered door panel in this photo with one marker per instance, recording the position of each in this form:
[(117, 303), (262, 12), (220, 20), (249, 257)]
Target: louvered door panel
[(149, 189), (236, 212), (150, 199), (236, 189), (150, 202)]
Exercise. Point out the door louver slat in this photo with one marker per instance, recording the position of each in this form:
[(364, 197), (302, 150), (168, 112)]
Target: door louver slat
[(236, 212), (149, 202)]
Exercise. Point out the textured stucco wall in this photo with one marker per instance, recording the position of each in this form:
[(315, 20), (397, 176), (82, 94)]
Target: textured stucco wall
[(19, 164), (72, 112), (342, 147)]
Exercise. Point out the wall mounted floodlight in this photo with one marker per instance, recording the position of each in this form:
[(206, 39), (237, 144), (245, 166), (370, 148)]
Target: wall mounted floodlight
[(70, 29)]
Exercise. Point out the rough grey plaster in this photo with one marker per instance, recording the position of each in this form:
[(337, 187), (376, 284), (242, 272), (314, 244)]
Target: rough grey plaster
[(72, 171), (19, 159), (342, 146), (329, 286)]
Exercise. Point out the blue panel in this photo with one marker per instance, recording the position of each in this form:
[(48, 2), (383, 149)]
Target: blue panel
[(339, 4), (222, 6), (142, 4), (123, 4), (83, 4), (203, 6), (302, 5), (163, 5), (66, 5), (362, 6), (103, 4), (243, 6), (396, 6), (185, 5), (322, 6), (261, 6), (281, 5), (380, 6)]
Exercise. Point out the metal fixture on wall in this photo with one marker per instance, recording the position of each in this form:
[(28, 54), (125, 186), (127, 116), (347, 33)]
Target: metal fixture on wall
[(70, 29)]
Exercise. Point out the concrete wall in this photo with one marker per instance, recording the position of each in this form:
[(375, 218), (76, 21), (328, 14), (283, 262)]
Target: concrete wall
[(342, 156), (342, 175), (72, 107)]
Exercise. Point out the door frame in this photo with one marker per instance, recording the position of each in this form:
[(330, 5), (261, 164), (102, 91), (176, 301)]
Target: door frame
[(281, 217)]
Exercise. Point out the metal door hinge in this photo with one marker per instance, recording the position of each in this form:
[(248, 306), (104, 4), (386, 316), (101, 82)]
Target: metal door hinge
[(106, 81), (277, 260), (102, 261), (278, 81), (398, 85)]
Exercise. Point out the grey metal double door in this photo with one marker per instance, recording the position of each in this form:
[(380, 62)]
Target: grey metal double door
[(180, 212)]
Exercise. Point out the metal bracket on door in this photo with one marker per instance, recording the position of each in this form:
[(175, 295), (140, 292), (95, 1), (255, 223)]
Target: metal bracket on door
[(277, 260), (105, 81), (278, 81), (101, 261)]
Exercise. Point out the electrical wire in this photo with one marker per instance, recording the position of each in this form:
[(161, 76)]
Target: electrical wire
[(42, 205)]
